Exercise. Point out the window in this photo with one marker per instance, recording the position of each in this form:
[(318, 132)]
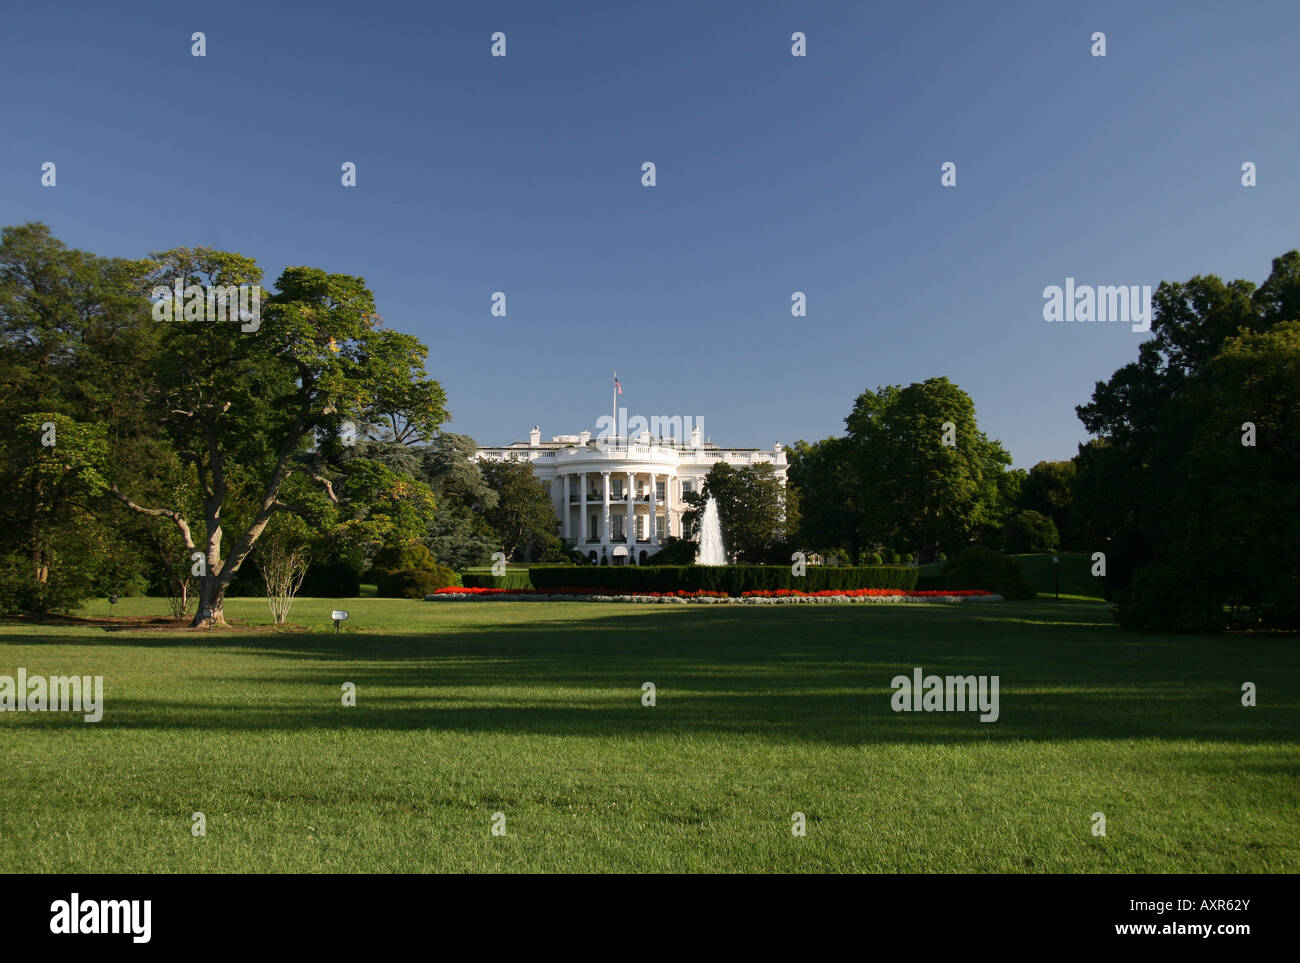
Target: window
[(618, 488), (688, 487), (659, 491)]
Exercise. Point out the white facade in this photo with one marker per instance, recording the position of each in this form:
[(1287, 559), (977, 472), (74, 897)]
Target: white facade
[(619, 498)]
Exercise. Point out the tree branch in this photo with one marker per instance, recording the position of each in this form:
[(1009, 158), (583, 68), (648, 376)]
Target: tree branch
[(329, 487), (176, 517)]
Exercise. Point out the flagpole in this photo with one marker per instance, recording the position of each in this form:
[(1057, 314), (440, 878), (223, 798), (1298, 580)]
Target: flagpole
[(614, 392)]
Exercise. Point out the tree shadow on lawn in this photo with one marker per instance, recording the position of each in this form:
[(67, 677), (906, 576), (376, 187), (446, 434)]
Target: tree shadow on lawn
[(853, 717), (798, 674)]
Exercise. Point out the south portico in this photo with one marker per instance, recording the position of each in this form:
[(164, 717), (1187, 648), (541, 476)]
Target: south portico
[(620, 514), (618, 499)]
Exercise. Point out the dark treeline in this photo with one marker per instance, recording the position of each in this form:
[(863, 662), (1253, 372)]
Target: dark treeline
[(1189, 486)]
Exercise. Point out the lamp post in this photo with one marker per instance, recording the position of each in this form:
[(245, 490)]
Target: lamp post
[(1056, 576), (112, 600)]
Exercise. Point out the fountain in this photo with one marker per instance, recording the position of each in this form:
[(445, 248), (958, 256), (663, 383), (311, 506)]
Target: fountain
[(710, 551)]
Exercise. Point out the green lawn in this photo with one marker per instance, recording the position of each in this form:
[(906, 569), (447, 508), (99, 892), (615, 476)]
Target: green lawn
[(533, 709)]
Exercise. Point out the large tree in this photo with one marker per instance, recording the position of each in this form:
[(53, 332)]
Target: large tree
[(929, 478), (1186, 514), (1048, 490), (51, 470), (829, 497), (459, 535), (75, 333), (521, 514), (239, 401)]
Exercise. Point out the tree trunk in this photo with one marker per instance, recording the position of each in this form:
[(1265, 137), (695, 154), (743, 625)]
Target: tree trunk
[(212, 594)]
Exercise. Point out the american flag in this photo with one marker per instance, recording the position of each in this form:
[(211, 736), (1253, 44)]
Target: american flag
[(616, 384)]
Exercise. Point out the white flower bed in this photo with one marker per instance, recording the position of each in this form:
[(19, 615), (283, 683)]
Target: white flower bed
[(708, 600)]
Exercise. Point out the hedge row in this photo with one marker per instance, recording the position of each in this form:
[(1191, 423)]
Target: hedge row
[(732, 579), (511, 580)]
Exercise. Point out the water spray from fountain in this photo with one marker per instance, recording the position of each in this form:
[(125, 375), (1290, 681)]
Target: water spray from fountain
[(710, 551)]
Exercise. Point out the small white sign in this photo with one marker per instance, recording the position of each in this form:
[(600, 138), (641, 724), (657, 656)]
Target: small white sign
[(338, 615)]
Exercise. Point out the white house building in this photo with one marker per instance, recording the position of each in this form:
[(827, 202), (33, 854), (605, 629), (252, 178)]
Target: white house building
[(619, 498)]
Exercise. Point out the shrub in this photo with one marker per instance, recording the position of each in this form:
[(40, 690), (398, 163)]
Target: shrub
[(415, 583), (400, 558), (1161, 598), (978, 567), (1030, 532)]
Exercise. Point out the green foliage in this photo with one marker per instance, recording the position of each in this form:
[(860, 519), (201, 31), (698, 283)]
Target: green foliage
[(403, 557), (1167, 483), (383, 505), (829, 497), (1170, 597), (978, 567), (1048, 490), (731, 579), (521, 515), (917, 493), (415, 583), (459, 535), (511, 580), (52, 470), (1028, 532), (243, 404)]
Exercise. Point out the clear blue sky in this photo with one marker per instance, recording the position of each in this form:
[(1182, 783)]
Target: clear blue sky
[(775, 174)]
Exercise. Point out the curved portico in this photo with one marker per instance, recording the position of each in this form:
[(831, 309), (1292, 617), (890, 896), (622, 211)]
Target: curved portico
[(617, 496), (619, 499)]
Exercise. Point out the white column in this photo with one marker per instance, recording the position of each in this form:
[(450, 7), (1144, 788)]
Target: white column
[(631, 515), (669, 481), (564, 494), (651, 506), (582, 527), (605, 531)]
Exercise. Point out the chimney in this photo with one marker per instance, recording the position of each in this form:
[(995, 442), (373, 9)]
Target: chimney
[(695, 436), (584, 437), (535, 437)]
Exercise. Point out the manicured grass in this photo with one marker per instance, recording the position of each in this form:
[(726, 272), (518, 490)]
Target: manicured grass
[(534, 710)]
